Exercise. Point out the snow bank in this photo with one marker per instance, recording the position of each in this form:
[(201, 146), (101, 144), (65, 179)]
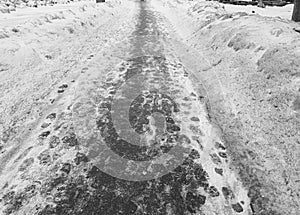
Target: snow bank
[(46, 56), (253, 86), (8, 6), (41, 49), (284, 12)]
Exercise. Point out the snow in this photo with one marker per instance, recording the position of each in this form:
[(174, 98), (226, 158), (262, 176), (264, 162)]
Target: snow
[(41, 50), (284, 12), (247, 62), (23, 15), (249, 66)]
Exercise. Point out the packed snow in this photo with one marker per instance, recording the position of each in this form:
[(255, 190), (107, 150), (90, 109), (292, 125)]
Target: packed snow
[(249, 66), (245, 58)]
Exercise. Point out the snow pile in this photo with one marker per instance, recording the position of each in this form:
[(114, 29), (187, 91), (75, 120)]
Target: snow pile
[(284, 12), (7, 6), (39, 50), (46, 55), (253, 85), (20, 35)]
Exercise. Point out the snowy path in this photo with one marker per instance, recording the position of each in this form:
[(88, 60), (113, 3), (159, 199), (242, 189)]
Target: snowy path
[(131, 136)]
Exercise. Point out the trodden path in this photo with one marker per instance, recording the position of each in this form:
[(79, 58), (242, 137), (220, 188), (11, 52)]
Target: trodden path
[(136, 139)]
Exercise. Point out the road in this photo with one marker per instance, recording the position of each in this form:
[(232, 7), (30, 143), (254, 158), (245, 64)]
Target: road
[(132, 138)]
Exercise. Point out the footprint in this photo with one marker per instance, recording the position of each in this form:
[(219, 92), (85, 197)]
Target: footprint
[(213, 191), (55, 156), (237, 207), (201, 98), (60, 90), (227, 193), (54, 141), (70, 139), (220, 146), (171, 128), (194, 154), (215, 158), (112, 92), (193, 94), (80, 157), (194, 201), (84, 70), (90, 57), (44, 134), (51, 116), (219, 171), (223, 154), (64, 86), (195, 119), (44, 157), (45, 125), (122, 68), (184, 139), (186, 99), (66, 167), (196, 130)]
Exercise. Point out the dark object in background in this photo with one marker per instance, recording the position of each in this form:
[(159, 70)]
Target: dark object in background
[(99, 1), (256, 2), (296, 11)]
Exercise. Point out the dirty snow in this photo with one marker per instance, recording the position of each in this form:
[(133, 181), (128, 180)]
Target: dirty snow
[(249, 66), (40, 52), (246, 63)]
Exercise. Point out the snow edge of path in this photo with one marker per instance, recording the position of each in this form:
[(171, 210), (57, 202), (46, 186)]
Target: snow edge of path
[(253, 93)]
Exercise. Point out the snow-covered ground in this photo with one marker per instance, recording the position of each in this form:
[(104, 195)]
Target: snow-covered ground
[(284, 12), (44, 54), (38, 50), (249, 65), (23, 15)]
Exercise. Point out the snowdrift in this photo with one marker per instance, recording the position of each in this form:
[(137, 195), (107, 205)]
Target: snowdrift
[(39, 50), (252, 80)]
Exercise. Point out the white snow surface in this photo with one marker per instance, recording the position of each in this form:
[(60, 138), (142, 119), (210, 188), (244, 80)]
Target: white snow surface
[(284, 12), (23, 15), (40, 47), (249, 65)]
